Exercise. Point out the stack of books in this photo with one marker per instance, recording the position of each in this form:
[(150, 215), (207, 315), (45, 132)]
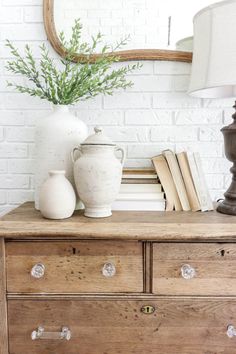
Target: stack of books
[(140, 190), (183, 181)]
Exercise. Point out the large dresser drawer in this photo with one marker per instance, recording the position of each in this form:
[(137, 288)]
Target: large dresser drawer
[(194, 269), (178, 326), (74, 267)]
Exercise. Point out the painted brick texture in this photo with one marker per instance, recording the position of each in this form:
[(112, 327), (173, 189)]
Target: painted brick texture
[(156, 113)]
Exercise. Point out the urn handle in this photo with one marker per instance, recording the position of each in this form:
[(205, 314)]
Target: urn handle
[(118, 148), (73, 158)]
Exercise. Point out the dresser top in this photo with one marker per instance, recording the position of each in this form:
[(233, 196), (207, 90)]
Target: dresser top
[(26, 222)]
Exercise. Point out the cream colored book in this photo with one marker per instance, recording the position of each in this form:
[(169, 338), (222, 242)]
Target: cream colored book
[(139, 205), (177, 177), (188, 181), (140, 196), (163, 172), (137, 176), (140, 188), (137, 173), (203, 180), (202, 197)]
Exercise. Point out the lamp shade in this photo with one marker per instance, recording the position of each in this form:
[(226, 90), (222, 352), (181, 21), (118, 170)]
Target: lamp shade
[(214, 51)]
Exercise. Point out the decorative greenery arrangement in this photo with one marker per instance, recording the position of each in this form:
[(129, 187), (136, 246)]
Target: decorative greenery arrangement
[(74, 81)]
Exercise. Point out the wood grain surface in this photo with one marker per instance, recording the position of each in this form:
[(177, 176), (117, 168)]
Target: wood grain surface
[(177, 326), (147, 262), (3, 302), (75, 267), (215, 266), (104, 314), (25, 222)]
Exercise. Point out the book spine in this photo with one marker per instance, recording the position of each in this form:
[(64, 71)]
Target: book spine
[(178, 179), (188, 181), (140, 188), (140, 181), (203, 181), (197, 183), (136, 176), (141, 196), (139, 205), (163, 172)]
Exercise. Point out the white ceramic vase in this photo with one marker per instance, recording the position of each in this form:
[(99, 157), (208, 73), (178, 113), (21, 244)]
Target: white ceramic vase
[(55, 137), (97, 173), (57, 197)]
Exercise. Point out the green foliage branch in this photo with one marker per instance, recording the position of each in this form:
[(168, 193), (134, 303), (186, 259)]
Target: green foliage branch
[(72, 81)]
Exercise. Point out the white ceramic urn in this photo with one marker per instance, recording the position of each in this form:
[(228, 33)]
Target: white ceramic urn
[(55, 137), (57, 196), (97, 173)]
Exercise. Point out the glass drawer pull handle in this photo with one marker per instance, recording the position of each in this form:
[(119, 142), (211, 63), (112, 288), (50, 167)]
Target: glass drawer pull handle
[(41, 334)]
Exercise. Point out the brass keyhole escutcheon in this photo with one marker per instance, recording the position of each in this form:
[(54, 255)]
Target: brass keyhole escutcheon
[(148, 309)]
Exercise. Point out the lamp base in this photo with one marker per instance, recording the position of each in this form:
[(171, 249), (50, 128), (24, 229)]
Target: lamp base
[(228, 206), (225, 208)]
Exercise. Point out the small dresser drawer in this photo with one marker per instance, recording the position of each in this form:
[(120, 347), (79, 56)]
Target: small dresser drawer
[(194, 269), (177, 326), (74, 267)]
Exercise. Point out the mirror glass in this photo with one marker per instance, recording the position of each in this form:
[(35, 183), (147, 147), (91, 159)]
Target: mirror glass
[(150, 24)]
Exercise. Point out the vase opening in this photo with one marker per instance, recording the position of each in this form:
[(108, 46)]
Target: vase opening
[(60, 108), (57, 172)]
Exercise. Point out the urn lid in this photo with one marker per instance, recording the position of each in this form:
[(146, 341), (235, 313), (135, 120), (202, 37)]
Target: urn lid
[(98, 138)]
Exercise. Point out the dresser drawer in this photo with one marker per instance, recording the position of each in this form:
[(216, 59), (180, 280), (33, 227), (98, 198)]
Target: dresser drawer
[(74, 267), (194, 269), (178, 326)]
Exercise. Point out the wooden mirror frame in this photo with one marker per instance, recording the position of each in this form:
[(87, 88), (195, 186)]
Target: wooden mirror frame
[(132, 54)]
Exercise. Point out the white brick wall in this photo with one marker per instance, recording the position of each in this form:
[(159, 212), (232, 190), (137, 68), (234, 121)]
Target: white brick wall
[(155, 114), (146, 21)]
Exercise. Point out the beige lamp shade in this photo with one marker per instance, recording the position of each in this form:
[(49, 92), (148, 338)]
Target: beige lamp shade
[(214, 51)]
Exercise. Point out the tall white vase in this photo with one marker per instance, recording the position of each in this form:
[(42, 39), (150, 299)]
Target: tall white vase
[(56, 136)]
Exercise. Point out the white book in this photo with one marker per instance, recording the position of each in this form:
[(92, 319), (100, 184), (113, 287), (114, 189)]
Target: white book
[(203, 180), (144, 205), (140, 196), (197, 182), (140, 188)]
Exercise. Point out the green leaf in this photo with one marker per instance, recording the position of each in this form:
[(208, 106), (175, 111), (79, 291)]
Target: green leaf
[(70, 82)]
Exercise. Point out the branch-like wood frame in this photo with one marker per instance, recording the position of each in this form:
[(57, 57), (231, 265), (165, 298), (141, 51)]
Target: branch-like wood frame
[(133, 54)]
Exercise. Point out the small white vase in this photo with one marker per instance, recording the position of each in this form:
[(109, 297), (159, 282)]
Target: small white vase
[(57, 197), (56, 135)]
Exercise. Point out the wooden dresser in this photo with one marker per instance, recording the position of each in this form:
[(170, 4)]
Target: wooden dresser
[(135, 283)]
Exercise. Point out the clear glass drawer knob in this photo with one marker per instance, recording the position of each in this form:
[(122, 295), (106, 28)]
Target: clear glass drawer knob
[(187, 271), (231, 331), (109, 270), (38, 271)]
